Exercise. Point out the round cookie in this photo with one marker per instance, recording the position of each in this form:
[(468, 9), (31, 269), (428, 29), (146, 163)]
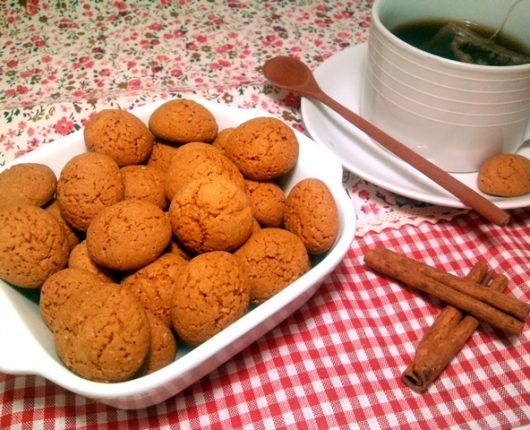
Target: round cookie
[(263, 148), (196, 160), (88, 183), (161, 155), (120, 135), (221, 140), (211, 214), (102, 333), (58, 288), (267, 201), (26, 183), (272, 258), (33, 246), (162, 346), (79, 259), (311, 213), (128, 235), (54, 210), (183, 121), (153, 284), (211, 293), (144, 183), (505, 175)]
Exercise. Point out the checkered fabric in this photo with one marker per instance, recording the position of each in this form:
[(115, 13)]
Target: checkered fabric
[(336, 363)]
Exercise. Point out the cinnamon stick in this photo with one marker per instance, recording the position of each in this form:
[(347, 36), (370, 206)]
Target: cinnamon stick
[(443, 340), (413, 273)]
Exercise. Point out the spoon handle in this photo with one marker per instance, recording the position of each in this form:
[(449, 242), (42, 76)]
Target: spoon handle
[(467, 195)]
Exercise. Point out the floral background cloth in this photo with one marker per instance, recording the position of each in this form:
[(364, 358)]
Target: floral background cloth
[(60, 61)]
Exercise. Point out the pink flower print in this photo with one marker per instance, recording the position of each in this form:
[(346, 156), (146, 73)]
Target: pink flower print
[(21, 125), (370, 208), (63, 126), (200, 38), (155, 26), (191, 46), (46, 58), (176, 73), (131, 64), (120, 5), (104, 72), (292, 100), (365, 195), (32, 7), (22, 89), (224, 48), (31, 131), (134, 84), (38, 41), (12, 63), (9, 92)]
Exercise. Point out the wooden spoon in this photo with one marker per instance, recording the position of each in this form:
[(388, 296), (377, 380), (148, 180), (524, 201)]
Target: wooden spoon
[(293, 75)]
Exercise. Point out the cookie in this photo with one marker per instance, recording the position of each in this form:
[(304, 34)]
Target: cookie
[(272, 258), (196, 160), (88, 183), (222, 137), (162, 346), (27, 183), (267, 201), (153, 284), (211, 293), (102, 333), (54, 210), (79, 259), (33, 246), (120, 135), (183, 121), (211, 214), (128, 235), (311, 213), (58, 288), (505, 175), (161, 155), (144, 183), (263, 148)]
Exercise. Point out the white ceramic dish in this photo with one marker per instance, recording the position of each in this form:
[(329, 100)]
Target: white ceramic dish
[(341, 76), (27, 345)]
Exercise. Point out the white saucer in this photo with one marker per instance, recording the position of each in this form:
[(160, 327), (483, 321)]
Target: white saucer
[(341, 76)]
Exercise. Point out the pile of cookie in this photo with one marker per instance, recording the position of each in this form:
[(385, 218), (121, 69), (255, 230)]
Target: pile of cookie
[(161, 233)]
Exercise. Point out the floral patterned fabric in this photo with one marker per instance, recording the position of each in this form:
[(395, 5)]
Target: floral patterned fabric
[(61, 61)]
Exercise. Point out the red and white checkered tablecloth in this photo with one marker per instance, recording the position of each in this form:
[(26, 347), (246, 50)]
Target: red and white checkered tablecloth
[(336, 363)]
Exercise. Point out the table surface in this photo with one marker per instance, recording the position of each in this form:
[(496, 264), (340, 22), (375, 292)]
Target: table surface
[(335, 363)]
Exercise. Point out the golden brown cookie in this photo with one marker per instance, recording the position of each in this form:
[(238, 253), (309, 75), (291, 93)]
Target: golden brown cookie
[(54, 210), (263, 148), (153, 284), (27, 183), (273, 258), (267, 201), (222, 137), (102, 333), (119, 134), (79, 259), (211, 293), (311, 213), (505, 175), (33, 246), (58, 288), (211, 214), (196, 160), (161, 155), (88, 183), (162, 346), (128, 235), (183, 121), (144, 183)]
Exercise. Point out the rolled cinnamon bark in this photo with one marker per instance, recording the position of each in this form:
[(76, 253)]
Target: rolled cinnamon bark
[(443, 340), (411, 273)]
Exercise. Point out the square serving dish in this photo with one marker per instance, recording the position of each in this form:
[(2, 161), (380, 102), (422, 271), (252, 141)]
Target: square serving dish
[(28, 346)]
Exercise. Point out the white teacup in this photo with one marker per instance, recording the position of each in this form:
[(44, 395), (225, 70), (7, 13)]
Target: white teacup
[(453, 113)]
